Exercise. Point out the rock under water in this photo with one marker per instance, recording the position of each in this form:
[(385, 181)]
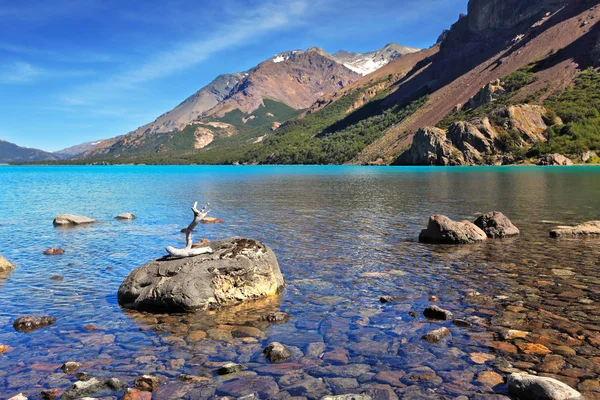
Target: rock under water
[(237, 270)]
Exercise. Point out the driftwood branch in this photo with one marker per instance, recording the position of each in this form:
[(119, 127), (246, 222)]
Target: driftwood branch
[(188, 251)]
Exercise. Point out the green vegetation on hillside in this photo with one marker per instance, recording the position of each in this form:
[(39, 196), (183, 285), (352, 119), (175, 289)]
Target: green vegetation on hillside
[(579, 110), (511, 84), (330, 136), (267, 113)]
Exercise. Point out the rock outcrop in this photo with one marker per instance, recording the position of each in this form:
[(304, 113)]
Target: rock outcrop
[(585, 229), (443, 230), (496, 225), (237, 270), (72, 220), (476, 141), (5, 265), (531, 387), (487, 94), (555, 160)]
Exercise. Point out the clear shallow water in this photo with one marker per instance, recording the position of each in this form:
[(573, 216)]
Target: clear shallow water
[(344, 237)]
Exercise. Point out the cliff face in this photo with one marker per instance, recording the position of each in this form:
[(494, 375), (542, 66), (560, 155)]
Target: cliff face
[(491, 15), (495, 38)]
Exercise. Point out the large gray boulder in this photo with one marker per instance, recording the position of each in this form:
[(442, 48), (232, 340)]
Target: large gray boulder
[(237, 270), (496, 225), (555, 160), (531, 387), (442, 229), (72, 220), (586, 229)]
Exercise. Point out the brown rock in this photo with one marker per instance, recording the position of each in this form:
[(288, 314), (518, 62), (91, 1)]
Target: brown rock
[(136, 394), (196, 336), (50, 394), (442, 229), (436, 335), (147, 383), (53, 251), (276, 317), (70, 367), (503, 346), (5, 265), (338, 356), (3, 348), (211, 220), (276, 352), (481, 358), (585, 229), (437, 313), (534, 348), (30, 323), (490, 378), (496, 225)]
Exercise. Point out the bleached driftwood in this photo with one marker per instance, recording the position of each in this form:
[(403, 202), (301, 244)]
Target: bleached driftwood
[(188, 251)]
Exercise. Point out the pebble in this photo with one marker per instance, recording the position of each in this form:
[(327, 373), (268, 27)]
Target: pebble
[(481, 358), (147, 383), (276, 352), (436, 335), (490, 378), (70, 367), (533, 348), (229, 368), (30, 323)]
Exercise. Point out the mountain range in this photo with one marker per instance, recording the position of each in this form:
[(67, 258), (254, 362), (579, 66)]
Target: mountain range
[(497, 88)]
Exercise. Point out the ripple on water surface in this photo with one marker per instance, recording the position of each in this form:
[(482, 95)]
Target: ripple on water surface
[(344, 237)]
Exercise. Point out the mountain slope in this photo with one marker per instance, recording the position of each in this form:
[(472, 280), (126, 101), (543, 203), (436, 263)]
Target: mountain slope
[(495, 39), (365, 63), (10, 152), (76, 150), (294, 78)]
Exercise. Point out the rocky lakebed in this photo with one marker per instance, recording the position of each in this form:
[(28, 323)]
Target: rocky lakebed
[(364, 312)]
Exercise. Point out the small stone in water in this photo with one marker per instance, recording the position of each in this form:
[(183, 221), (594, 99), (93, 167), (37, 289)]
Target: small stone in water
[(275, 317), (82, 376), (276, 352), (30, 323), (57, 278), (436, 313), (52, 251), (3, 348), (125, 216), (461, 323), (436, 335), (412, 314), (481, 358), (389, 299), (534, 348), (511, 334), (70, 367), (490, 378), (136, 394), (147, 383), (193, 378), (20, 396), (230, 368), (434, 299), (50, 394)]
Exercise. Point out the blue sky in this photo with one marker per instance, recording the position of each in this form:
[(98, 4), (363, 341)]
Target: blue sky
[(73, 71)]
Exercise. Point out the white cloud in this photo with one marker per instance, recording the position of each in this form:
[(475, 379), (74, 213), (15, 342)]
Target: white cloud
[(18, 73), (247, 25)]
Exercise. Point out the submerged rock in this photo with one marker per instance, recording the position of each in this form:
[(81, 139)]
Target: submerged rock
[(229, 368), (275, 317), (53, 251), (127, 216), (211, 220), (147, 383), (496, 225), (442, 229), (72, 220), (136, 394), (276, 352), (93, 386), (436, 335), (30, 323), (70, 367), (348, 397), (555, 160), (586, 229), (531, 387), (437, 313), (237, 270), (5, 265)]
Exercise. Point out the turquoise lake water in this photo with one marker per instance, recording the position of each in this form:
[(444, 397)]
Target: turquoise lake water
[(344, 236)]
